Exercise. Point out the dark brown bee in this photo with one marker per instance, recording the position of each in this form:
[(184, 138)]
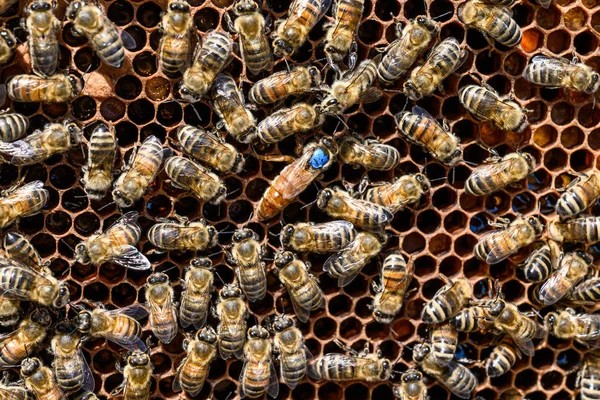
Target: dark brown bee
[(573, 268), (195, 298), (320, 238), (501, 359), (189, 175), (184, 235), (13, 126), (401, 192), (98, 172), (567, 324), (42, 27), (161, 304), (581, 230), (542, 261), (246, 255), (448, 301), (498, 173), (258, 372), (444, 339), (40, 381), (300, 118), (557, 72), (493, 21), (340, 37), (70, 368), (294, 355), (370, 154), (25, 340), (229, 104), (193, 370), (396, 276), (232, 313), (411, 386), (175, 45), (58, 88), (8, 45), (280, 85), (579, 195)]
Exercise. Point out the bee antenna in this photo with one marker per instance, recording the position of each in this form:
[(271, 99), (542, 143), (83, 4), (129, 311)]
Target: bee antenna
[(193, 107), (168, 269), (443, 15), (233, 191), (308, 204), (219, 276), (67, 244), (214, 254), (342, 121), (106, 205), (287, 65)]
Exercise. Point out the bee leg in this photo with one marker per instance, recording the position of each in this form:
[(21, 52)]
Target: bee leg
[(376, 287), (182, 219), (353, 55), (342, 346), (118, 389), (229, 22), (268, 24)]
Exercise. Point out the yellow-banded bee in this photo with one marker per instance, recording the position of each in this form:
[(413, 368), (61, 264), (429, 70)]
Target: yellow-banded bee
[(40, 381), (493, 21), (160, 302), (232, 313), (573, 268), (210, 149), (229, 104), (300, 118), (364, 214), (18, 248), (58, 88), (195, 298), (25, 340), (411, 42), (115, 244), (70, 368), (246, 255), (479, 316), (567, 324), (175, 45), (280, 85), (586, 293), (454, 376), (136, 377), (444, 339), (302, 286), (8, 45), (193, 370), (498, 173), (411, 386), (293, 353), (368, 153), (188, 175), (55, 138), (500, 244), (98, 172), (501, 359), (396, 276), (487, 105), (258, 373), (444, 59), (10, 391), (171, 235), (395, 195), (541, 262), (582, 230), (447, 301), (581, 193), (13, 126), (557, 72), (342, 31), (588, 378), (519, 327), (42, 27), (320, 238), (346, 264), (10, 312)]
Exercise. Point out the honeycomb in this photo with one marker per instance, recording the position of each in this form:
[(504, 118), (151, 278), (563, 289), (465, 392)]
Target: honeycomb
[(438, 234)]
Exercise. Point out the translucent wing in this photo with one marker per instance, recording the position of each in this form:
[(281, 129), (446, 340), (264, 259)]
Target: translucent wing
[(503, 244), (458, 371), (557, 66), (422, 112), (298, 175), (363, 208), (273, 388), (557, 282), (241, 380), (525, 345), (302, 311), (131, 344), (88, 384), (128, 218), (592, 322), (17, 293), (493, 168), (176, 386), (22, 152), (128, 41), (130, 257)]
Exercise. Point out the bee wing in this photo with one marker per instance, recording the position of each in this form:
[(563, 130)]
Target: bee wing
[(128, 218), (134, 311), (592, 322), (296, 170), (556, 280), (454, 368), (302, 312), (557, 66), (346, 280), (22, 152), (130, 257), (88, 384), (128, 41), (502, 247), (273, 388), (176, 386), (421, 111), (525, 345), (13, 392), (130, 344)]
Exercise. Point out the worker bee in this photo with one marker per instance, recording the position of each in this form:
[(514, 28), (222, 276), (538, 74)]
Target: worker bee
[(300, 118), (188, 175), (411, 42), (280, 85), (444, 339), (479, 316), (13, 126), (70, 368), (144, 164), (18, 248), (98, 172), (195, 298), (120, 326), (55, 138), (246, 255), (8, 45), (493, 21), (210, 149), (395, 195), (487, 105), (40, 381), (557, 72), (582, 230), (232, 313), (13, 391), (326, 237), (341, 32), (212, 57), (368, 153), (454, 376), (136, 377), (258, 373), (572, 270), (294, 355), (364, 214), (58, 88), (10, 312), (500, 244), (42, 27), (346, 264), (567, 324), (25, 340), (302, 286), (88, 396), (251, 29), (498, 173), (115, 244), (540, 264), (194, 236), (396, 276), (411, 386), (177, 25), (519, 327), (297, 176), (448, 301), (586, 293), (588, 376), (229, 104), (422, 129), (291, 33), (193, 370), (444, 59), (163, 315), (501, 359), (581, 193)]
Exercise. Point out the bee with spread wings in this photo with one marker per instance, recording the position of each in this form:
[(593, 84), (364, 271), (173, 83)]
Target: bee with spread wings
[(572, 270)]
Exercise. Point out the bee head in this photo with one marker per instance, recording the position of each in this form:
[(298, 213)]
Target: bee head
[(62, 298), (536, 224), (423, 181), (238, 164), (258, 332), (411, 91), (73, 9), (454, 158), (202, 262), (243, 234), (9, 38), (382, 318), (138, 359), (245, 7), (587, 258), (231, 292), (186, 94), (427, 23), (207, 334), (83, 321), (74, 133), (76, 82), (421, 351), (41, 6), (330, 144), (284, 258), (157, 278), (386, 369), (550, 319), (497, 307), (412, 375), (29, 366), (282, 323), (41, 317), (330, 105), (81, 254), (530, 160), (286, 234), (120, 199), (315, 76), (323, 198), (282, 48), (595, 82), (179, 6)]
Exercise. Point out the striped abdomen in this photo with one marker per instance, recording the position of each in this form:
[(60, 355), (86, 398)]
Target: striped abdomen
[(334, 367), (500, 26), (293, 367), (255, 378), (326, 240), (15, 281), (256, 50), (500, 361), (231, 339), (587, 291), (300, 118), (214, 52), (579, 197), (394, 272), (13, 126), (479, 101), (44, 53), (163, 318), (174, 50), (345, 264), (362, 77), (192, 376), (467, 320), (253, 281), (147, 160), (98, 174), (68, 370), (205, 147), (21, 250), (307, 291), (382, 157), (541, 73), (459, 379), (22, 203), (538, 265), (581, 230), (590, 382), (184, 172), (108, 44), (172, 236), (122, 327), (295, 29), (342, 31), (443, 306), (366, 215), (21, 343), (280, 85), (492, 240), (195, 299), (444, 339), (32, 88)]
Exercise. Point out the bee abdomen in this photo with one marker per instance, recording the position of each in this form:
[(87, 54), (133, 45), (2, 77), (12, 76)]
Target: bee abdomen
[(505, 30), (539, 268), (254, 285), (439, 309), (192, 378), (218, 45), (17, 279), (587, 291), (462, 379), (500, 361), (333, 367), (69, 375), (540, 74), (255, 380), (44, 55), (231, 341), (590, 385), (293, 368), (109, 46), (173, 57), (12, 127), (572, 203)]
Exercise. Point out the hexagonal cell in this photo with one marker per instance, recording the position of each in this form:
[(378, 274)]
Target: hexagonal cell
[(532, 40), (558, 41), (581, 160), (585, 43), (548, 18)]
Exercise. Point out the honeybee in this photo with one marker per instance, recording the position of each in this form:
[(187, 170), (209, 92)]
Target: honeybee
[(368, 153), (195, 299), (258, 373), (42, 27), (501, 243), (212, 57), (479, 316), (210, 149), (8, 45), (493, 21), (251, 29), (40, 381), (364, 214), (13, 126), (447, 301), (422, 129), (58, 88), (582, 229), (144, 164), (501, 359), (136, 377), (18, 248), (297, 176), (232, 313), (498, 173), (341, 32), (89, 20), (352, 87), (13, 392), (346, 264), (320, 238), (540, 264), (98, 172), (300, 118), (294, 355), (291, 33), (557, 72), (246, 255), (588, 376), (586, 293), (411, 42), (444, 59), (487, 105), (119, 326), (193, 370), (519, 327), (70, 368), (229, 104), (88, 396), (55, 138), (454, 376), (280, 85), (302, 286), (403, 191), (195, 236), (396, 276), (25, 340), (177, 25), (163, 314), (115, 244), (411, 386), (567, 324), (444, 339), (573, 269), (10, 312), (188, 175), (581, 193)]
